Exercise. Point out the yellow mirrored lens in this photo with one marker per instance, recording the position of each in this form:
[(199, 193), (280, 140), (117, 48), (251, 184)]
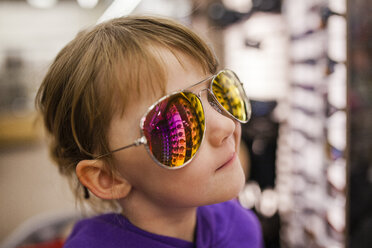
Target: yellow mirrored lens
[(228, 91)]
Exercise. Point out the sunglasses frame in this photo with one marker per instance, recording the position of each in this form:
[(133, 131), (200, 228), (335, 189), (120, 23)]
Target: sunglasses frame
[(214, 103)]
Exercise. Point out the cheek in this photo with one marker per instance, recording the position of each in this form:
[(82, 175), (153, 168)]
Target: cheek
[(237, 135), (240, 176), (157, 183), (238, 130), (133, 164)]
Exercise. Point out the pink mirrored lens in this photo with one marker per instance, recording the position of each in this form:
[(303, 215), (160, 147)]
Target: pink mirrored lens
[(174, 129)]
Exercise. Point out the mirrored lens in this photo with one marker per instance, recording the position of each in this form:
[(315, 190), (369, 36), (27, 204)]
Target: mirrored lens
[(174, 129), (229, 92)]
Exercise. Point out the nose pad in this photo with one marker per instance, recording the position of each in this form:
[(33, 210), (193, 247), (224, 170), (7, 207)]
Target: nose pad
[(213, 102)]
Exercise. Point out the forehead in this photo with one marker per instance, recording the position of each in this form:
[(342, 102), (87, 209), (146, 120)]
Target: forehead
[(181, 70), (170, 70), (160, 73)]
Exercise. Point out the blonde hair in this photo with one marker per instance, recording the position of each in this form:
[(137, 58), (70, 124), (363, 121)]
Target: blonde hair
[(92, 77)]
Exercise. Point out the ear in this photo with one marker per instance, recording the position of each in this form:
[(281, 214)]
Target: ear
[(93, 174)]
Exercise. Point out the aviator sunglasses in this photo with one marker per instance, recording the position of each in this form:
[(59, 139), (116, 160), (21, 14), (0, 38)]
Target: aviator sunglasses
[(173, 128)]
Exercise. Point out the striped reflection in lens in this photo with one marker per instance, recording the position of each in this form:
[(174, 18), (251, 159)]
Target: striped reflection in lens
[(229, 93), (174, 129)]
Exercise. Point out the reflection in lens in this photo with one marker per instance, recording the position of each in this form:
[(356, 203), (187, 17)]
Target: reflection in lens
[(174, 129), (229, 93)]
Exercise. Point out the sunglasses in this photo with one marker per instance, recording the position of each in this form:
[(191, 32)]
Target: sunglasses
[(173, 128)]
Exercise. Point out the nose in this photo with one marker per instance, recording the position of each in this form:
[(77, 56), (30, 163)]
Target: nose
[(219, 127)]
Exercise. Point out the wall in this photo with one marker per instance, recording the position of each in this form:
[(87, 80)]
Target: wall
[(29, 182)]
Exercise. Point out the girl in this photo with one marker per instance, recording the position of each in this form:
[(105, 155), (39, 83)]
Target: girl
[(139, 116)]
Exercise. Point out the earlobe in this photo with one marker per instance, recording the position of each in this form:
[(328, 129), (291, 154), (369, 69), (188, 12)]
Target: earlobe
[(94, 175)]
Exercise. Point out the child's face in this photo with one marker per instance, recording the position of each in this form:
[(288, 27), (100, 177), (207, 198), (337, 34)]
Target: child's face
[(214, 175)]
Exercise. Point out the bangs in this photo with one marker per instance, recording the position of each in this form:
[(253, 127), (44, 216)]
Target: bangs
[(138, 74), (133, 67)]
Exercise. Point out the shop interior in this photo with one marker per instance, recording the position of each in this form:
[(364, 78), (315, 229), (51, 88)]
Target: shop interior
[(306, 151)]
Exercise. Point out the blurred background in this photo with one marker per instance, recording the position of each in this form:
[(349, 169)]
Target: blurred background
[(306, 66)]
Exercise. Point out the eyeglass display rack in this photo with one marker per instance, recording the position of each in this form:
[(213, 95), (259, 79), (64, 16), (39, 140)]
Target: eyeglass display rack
[(311, 159)]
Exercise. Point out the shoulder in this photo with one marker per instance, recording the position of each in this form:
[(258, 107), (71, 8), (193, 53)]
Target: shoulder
[(95, 231), (231, 224), (230, 210), (114, 230)]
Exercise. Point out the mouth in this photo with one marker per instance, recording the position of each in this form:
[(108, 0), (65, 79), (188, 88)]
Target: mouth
[(228, 162)]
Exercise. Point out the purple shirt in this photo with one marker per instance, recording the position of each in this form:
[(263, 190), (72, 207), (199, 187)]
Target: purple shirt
[(220, 225)]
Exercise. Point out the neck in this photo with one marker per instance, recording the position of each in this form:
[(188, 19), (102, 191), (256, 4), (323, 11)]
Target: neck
[(160, 219)]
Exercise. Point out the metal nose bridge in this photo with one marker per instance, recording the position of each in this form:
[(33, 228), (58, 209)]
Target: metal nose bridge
[(199, 93)]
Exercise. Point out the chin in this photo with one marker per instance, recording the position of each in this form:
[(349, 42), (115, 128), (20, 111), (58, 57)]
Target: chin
[(231, 190), (237, 184)]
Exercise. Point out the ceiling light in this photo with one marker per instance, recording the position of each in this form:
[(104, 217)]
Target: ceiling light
[(42, 4), (87, 4)]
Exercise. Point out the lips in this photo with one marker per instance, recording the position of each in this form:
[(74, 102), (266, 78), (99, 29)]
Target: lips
[(228, 162)]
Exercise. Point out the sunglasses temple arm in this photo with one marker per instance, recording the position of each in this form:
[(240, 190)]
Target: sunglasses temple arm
[(200, 82), (137, 142)]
